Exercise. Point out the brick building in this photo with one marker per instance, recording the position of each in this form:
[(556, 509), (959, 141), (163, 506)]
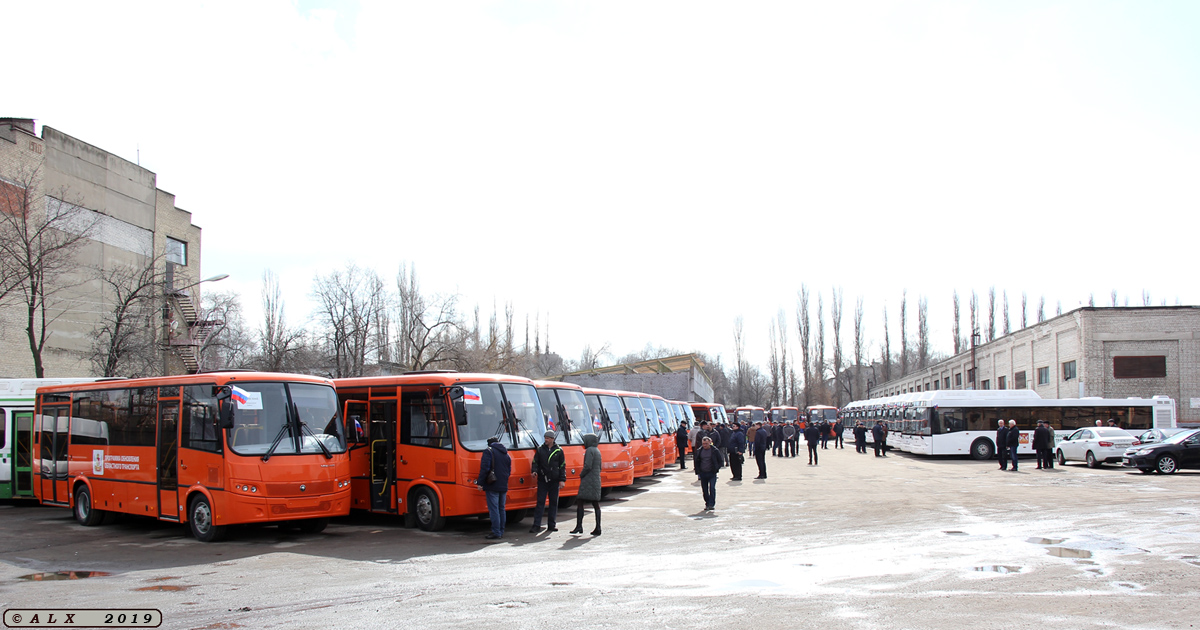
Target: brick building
[(131, 221), (1092, 351)]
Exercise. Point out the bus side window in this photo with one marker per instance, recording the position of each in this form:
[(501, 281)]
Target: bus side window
[(423, 420), (200, 419)]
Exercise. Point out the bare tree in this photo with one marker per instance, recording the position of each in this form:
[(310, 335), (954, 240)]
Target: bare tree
[(922, 333), (784, 366), (739, 351), (805, 330), (428, 325), (887, 349), (835, 314), (1146, 298), (973, 306), (773, 361), (957, 324), (123, 343), (819, 367), (1024, 310), (1114, 298), (858, 346), (591, 359), (904, 362), (1007, 324), (347, 302), (1041, 309), (991, 329), (1058, 308), (39, 236), (1092, 299), (279, 345), (226, 343)]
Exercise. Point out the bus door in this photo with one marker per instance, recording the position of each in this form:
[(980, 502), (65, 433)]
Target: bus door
[(52, 443), (168, 460), (22, 453), (381, 440), (425, 446)]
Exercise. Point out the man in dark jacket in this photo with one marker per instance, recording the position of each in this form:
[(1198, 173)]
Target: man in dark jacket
[(550, 470), (724, 432), (1002, 444), (737, 451), (1041, 437), (495, 459), (879, 437), (761, 443), (1014, 442), (838, 429), (777, 439), (860, 437), (681, 443), (812, 435), (708, 461), (789, 439)]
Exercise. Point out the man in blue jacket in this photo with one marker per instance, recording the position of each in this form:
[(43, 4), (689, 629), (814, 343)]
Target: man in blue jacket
[(496, 460)]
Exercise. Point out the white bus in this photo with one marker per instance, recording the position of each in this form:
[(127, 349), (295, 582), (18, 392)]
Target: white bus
[(16, 432), (963, 422)]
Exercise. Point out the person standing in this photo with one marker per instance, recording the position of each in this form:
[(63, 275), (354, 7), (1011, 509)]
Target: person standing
[(761, 442), (789, 438), (495, 466), (777, 439), (550, 470), (1002, 444), (1014, 442), (1039, 445), (838, 429), (681, 443), (737, 451), (812, 435), (708, 461), (589, 483), (1049, 463), (723, 432), (751, 431), (826, 431), (860, 437), (878, 435)]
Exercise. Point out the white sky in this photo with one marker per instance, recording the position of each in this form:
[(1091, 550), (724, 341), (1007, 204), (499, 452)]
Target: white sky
[(646, 172)]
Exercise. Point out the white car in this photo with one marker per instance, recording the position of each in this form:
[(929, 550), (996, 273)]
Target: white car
[(1095, 446)]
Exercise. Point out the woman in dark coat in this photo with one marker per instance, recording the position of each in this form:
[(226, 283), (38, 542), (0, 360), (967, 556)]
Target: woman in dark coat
[(589, 484)]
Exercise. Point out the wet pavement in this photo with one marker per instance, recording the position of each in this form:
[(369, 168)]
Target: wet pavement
[(857, 542)]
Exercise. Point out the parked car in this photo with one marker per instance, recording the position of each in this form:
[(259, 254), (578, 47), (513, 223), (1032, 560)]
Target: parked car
[(1152, 436), (1181, 450), (1096, 446)]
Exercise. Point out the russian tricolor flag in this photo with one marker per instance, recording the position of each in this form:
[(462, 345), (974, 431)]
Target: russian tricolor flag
[(240, 396)]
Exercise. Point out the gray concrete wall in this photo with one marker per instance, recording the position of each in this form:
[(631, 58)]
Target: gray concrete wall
[(673, 386)]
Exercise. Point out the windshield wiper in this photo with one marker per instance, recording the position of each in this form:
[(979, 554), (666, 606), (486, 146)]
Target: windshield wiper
[(275, 444), (304, 427), (519, 423)]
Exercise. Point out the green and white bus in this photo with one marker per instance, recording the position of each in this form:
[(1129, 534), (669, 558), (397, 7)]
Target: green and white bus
[(16, 432)]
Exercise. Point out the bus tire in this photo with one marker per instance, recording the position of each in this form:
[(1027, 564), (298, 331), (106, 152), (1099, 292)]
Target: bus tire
[(515, 516), (1090, 458), (566, 502), (200, 520), (1166, 465), (1062, 459), (313, 525), (604, 492), (426, 509), (982, 449), (86, 513)]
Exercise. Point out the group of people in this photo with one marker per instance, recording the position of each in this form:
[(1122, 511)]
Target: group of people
[(550, 470), (1008, 440)]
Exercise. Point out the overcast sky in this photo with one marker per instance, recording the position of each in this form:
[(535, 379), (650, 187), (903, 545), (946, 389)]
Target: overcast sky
[(646, 172)]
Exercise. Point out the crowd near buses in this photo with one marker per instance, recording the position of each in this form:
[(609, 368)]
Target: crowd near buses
[(213, 450)]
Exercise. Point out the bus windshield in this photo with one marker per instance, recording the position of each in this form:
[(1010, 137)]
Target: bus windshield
[(653, 422), (664, 412), (817, 415), (577, 423), (688, 414), (609, 419), (636, 419), (521, 426), (262, 424)]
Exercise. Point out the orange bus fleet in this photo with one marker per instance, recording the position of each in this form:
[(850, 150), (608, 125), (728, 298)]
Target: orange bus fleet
[(616, 445), (210, 450)]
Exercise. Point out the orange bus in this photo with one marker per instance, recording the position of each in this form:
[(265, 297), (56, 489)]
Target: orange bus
[(220, 449), (786, 414), (608, 416), (653, 425), (566, 413), (417, 439), (640, 445), (708, 412), (683, 414), (750, 414)]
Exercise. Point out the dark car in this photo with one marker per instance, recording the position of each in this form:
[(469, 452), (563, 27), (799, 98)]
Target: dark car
[(1181, 450)]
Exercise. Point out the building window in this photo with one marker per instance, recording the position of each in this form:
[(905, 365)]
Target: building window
[(1139, 367), (946, 382), (1043, 374), (986, 384), (927, 385), (1001, 382), (971, 376), (958, 379), (176, 251), (937, 384), (1019, 380), (1068, 370)]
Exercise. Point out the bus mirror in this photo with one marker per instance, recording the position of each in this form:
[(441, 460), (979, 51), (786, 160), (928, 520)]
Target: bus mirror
[(223, 392), (456, 392), (225, 416), (460, 412)]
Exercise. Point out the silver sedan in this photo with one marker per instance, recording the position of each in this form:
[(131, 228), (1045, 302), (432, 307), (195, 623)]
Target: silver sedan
[(1095, 446)]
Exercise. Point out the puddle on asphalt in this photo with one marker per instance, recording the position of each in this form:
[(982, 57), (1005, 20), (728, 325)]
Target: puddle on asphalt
[(954, 533), (1044, 541), (560, 583), (170, 588), (998, 568), (1085, 562), (1066, 552), (63, 575)]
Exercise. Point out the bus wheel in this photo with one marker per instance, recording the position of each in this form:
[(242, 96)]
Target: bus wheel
[(424, 505), (982, 449), (566, 502), (1062, 460), (200, 519), (604, 492), (85, 513), (514, 516), (313, 525), (1091, 460), (1166, 465)]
